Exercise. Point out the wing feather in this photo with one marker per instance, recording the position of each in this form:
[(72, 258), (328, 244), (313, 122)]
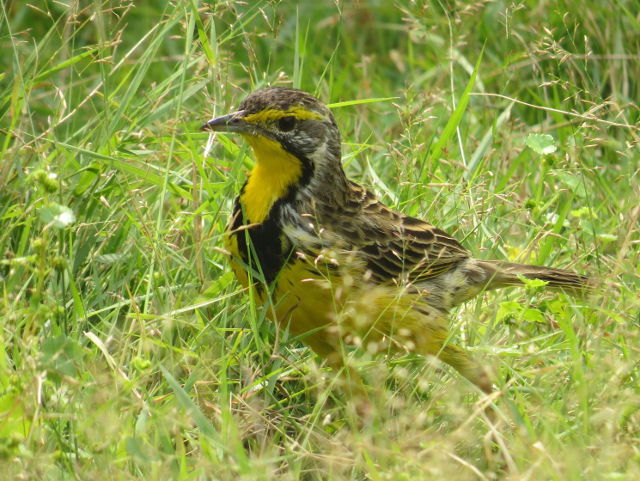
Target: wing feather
[(393, 246)]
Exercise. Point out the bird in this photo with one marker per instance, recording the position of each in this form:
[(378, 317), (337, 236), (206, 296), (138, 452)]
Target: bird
[(331, 263)]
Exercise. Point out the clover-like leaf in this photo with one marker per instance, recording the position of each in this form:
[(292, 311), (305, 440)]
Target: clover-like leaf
[(60, 216), (542, 144)]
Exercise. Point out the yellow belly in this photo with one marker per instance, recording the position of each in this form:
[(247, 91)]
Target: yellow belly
[(329, 312), (330, 308)]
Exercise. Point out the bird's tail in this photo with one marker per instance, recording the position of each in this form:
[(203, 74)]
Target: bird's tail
[(505, 274)]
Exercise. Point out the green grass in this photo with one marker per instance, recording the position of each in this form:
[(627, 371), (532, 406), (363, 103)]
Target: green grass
[(127, 349)]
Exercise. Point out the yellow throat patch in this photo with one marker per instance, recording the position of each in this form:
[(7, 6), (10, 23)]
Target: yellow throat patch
[(275, 171)]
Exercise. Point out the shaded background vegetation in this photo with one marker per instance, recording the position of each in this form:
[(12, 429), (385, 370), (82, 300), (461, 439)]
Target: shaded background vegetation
[(127, 350)]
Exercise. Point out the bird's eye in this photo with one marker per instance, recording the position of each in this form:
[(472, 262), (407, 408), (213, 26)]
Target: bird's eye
[(285, 124)]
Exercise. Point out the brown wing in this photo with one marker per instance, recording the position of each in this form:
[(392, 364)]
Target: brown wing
[(395, 246)]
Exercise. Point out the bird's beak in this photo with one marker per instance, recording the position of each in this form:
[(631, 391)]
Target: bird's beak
[(233, 122)]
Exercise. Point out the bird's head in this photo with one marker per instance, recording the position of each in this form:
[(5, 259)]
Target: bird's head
[(281, 123)]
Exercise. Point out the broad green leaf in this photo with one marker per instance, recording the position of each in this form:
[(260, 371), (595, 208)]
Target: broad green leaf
[(533, 315), (508, 309), (542, 144), (60, 216)]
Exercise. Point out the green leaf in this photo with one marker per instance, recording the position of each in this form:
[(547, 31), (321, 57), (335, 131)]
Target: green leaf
[(60, 216), (456, 116), (558, 307), (348, 103), (583, 212), (508, 309), (572, 182), (200, 420), (60, 354), (533, 315), (205, 43), (542, 144), (134, 447), (532, 283), (66, 64)]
